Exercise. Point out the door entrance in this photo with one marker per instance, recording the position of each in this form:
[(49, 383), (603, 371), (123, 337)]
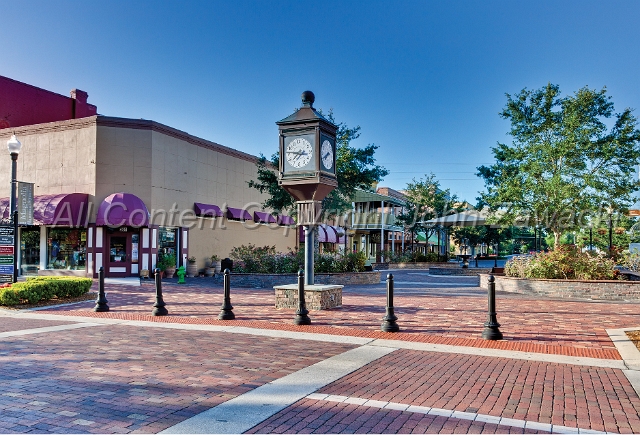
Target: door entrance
[(123, 252)]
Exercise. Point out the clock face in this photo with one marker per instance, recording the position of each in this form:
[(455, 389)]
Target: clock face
[(299, 152), (326, 154)]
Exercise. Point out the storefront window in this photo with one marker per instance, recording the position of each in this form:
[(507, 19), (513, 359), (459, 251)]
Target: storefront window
[(30, 250), (66, 248), (168, 239)]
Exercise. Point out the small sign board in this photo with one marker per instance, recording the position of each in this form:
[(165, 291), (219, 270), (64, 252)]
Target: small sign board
[(25, 203), (6, 250), (6, 253), (6, 269), (6, 259)]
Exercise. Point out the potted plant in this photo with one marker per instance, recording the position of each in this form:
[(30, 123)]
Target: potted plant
[(210, 268), (215, 263), (167, 262), (192, 267)]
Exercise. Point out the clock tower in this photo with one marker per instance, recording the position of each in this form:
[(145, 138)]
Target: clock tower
[(307, 167)]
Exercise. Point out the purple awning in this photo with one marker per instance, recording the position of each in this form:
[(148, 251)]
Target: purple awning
[(263, 217), (327, 234), (238, 213), (208, 210), (122, 209), (285, 220), (62, 209)]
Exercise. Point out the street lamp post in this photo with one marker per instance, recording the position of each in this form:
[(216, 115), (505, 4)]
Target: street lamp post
[(14, 146), (610, 211)]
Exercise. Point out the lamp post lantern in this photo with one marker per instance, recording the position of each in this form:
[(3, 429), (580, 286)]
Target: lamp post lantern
[(14, 146)]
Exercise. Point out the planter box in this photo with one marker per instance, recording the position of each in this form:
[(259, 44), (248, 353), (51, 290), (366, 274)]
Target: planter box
[(458, 271), (316, 297), (560, 288), (422, 265), (268, 280)]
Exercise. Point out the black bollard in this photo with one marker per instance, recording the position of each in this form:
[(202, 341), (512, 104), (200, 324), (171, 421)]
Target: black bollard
[(101, 302), (226, 311), (389, 321), (302, 315), (491, 326), (159, 307), (476, 261)]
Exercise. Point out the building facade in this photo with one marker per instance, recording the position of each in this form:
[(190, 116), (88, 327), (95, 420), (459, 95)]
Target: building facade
[(118, 193)]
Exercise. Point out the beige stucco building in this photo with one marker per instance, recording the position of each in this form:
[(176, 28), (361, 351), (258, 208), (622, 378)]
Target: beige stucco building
[(119, 164)]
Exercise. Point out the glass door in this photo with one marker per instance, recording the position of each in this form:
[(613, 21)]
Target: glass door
[(119, 255)]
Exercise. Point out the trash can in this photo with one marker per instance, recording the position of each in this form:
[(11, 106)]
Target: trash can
[(225, 264)]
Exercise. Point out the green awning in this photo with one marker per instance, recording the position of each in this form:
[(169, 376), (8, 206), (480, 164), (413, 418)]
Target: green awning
[(365, 196)]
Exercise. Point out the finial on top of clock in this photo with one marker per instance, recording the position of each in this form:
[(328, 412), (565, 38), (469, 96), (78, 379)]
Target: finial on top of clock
[(308, 98)]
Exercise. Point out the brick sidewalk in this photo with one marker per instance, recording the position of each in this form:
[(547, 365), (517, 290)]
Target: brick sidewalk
[(126, 378), (549, 326)]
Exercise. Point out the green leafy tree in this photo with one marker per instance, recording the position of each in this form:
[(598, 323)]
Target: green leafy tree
[(564, 161), (425, 200), (356, 168)]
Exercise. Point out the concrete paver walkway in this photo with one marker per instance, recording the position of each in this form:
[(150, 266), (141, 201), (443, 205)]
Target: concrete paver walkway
[(69, 370)]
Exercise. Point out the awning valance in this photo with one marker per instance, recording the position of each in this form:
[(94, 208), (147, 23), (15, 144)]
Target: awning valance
[(238, 213), (122, 209), (263, 217), (285, 220), (207, 210), (62, 209)]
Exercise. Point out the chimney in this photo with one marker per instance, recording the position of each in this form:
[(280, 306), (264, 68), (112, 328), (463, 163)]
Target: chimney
[(79, 98)]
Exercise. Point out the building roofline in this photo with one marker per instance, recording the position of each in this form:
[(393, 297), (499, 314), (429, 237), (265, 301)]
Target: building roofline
[(140, 124)]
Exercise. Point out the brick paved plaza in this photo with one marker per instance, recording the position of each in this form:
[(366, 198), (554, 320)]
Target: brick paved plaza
[(69, 370)]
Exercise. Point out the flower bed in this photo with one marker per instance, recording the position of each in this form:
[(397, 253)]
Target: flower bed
[(611, 290), (268, 280)]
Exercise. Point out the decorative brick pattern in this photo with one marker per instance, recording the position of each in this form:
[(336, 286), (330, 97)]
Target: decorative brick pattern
[(267, 280), (315, 299), (560, 288)]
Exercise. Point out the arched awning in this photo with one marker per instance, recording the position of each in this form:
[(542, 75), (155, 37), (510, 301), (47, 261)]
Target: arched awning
[(122, 209), (327, 234), (61, 209)]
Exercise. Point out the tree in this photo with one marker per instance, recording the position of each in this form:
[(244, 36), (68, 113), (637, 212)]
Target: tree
[(355, 169), (425, 200), (564, 162)]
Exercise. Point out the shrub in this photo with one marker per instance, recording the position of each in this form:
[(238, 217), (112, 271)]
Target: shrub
[(265, 259), (565, 262), (43, 288)]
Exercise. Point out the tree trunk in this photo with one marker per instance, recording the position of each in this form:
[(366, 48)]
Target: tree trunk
[(556, 239)]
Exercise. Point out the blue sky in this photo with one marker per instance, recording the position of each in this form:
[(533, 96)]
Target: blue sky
[(425, 80)]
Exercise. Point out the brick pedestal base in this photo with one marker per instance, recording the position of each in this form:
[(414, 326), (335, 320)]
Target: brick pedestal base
[(317, 297)]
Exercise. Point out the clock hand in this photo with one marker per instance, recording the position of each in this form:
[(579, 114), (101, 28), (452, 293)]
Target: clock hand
[(326, 155)]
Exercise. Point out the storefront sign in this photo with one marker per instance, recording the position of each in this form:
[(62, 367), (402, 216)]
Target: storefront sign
[(6, 230), (6, 240), (6, 250), (6, 278), (6, 259), (25, 203)]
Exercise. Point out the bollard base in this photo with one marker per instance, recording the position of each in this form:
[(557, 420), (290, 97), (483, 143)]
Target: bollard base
[(159, 310), (491, 332), (226, 314), (101, 307), (389, 322), (302, 318), (389, 326)]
